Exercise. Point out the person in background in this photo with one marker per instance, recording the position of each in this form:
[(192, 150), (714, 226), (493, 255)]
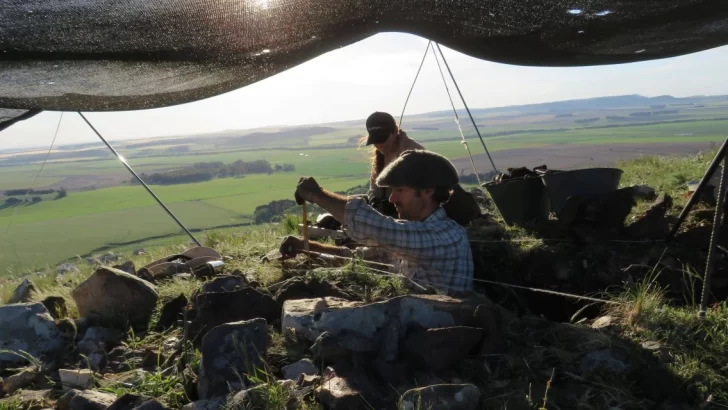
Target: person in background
[(389, 143)]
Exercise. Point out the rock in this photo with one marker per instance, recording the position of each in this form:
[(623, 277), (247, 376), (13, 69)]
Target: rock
[(96, 342), (603, 322), (440, 349), (214, 309), (172, 311), (108, 257), (24, 292), (79, 379), (70, 268), (307, 380), (611, 360), (109, 337), (30, 328), (112, 293), (127, 267), (341, 393), (301, 367), (152, 359), (299, 288), (337, 348), (442, 397), (20, 380), (68, 330), (27, 399), (139, 252), (214, 404), (85, 400), (390, 338), (56, 306), (230, 351), (309, 318), (662, 352), (220, 284), (136, 402), (644, 192), (258, 398)]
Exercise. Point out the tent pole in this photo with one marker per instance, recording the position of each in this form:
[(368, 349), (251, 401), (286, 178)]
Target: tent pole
[(123, 161), (466, 107)]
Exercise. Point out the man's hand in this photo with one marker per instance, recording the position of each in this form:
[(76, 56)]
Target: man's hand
[(307, 190), (290, 247)]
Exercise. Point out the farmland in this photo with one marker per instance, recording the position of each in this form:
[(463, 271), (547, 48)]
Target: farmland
[(103, 211)]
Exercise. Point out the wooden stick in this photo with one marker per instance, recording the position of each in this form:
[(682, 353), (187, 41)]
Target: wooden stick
[(305, 228)]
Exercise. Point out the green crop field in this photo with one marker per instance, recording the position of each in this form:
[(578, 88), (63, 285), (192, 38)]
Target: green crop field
[(102, 211)]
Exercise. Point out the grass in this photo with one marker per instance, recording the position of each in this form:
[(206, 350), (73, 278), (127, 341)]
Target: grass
[(167, 389), (696, 349)]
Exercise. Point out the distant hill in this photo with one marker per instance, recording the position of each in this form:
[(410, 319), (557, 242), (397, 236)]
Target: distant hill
[(598, 103)]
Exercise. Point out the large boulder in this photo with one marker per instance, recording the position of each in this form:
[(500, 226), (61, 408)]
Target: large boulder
[(442, 397), (30, 328), (309, 318), (229, 352), (214, 309), (24, 292), (114, 294)]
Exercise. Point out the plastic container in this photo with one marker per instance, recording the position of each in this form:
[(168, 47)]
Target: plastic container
[(561, 185), (520, 201)]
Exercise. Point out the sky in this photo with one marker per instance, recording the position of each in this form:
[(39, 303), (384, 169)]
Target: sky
[(375, 75)]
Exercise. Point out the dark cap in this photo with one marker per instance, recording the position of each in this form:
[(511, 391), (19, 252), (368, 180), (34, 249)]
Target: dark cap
[(379, 126), (419, 169)]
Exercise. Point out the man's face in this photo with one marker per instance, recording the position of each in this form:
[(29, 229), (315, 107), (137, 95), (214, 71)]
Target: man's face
[(410, 203)]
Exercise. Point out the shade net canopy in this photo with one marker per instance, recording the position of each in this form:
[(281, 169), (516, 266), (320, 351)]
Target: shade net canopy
[(106, 55)]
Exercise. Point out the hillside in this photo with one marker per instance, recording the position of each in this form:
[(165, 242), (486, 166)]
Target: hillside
[(598, 132), (643, 347)]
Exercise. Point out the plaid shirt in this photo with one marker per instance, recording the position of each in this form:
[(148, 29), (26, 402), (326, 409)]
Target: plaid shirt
[(434, 252)]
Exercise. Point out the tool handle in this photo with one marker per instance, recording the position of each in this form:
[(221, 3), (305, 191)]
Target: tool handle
[(305, 227)]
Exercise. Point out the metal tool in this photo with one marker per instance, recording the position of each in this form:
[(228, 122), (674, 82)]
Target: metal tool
[(305, 227)]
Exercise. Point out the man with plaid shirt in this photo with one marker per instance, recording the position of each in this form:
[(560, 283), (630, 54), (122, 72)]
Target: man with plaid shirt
[(423, 244)]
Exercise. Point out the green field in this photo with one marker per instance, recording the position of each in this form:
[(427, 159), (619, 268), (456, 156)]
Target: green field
[(122, 216)]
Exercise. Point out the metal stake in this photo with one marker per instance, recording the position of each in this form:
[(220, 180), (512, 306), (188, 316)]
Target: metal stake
[(123, 161), (699, 191), (717, 220)]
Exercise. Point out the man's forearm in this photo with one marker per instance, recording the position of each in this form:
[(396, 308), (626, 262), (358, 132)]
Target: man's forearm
[(332, 203)]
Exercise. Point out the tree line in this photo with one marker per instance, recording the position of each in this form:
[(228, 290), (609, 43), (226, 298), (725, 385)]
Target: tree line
[(21, 192), (206, 171)]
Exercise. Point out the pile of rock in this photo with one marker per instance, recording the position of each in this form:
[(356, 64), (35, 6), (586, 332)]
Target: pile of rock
[(293, 342)]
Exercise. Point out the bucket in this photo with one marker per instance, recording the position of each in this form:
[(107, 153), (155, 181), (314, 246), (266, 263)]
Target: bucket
[(520, 201), (579, 182)]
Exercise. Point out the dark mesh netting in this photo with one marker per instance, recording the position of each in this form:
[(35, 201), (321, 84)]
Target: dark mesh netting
[(97, 55)]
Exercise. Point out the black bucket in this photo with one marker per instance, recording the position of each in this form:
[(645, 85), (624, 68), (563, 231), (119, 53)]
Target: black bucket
[(579, 182), (520, 201)]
